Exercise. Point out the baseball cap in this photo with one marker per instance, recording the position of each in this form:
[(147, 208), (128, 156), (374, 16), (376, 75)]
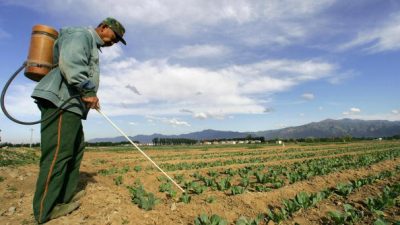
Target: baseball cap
[(117, 27)]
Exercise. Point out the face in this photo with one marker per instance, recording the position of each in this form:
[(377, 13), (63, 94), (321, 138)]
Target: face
[(108, 36)]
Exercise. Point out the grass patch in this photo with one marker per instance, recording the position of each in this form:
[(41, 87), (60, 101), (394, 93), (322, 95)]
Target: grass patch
[(12, 157)]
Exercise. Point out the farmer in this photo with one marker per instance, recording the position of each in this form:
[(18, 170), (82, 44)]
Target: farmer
[(62, 139)]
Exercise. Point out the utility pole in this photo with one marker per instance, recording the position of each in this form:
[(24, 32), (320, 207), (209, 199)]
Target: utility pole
[(30, 145)]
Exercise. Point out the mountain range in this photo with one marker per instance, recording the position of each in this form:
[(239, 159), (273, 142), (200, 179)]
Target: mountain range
[(323, 129)]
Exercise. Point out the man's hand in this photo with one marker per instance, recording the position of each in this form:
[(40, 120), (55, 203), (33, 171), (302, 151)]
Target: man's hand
[(91, 102)]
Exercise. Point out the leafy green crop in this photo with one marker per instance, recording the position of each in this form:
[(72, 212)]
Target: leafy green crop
[(118, 180), (105, 172), (164, 187), (145, 200), (349, 216), (198, 189), (235, 190), (185, 198), (261, 188), (212, 173), (12, 157), (344, 189), (230, 172), (203, 219), (277, 215), (381, 222), (211, 199), (386, 199), (303, 200), (179, 178), (137, 168), (245, 221), (224, 184), (245, 181), (262, 178), (290, 206), (209, 182)]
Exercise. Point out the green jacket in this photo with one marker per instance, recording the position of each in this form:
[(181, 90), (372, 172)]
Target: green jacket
[(76, 51)]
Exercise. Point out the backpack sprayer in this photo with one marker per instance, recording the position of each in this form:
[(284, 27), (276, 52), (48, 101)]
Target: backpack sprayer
[(38, 64)]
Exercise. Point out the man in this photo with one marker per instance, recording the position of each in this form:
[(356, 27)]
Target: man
[(62, 139)]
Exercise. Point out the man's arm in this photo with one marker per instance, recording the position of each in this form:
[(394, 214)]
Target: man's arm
[(74, 65)]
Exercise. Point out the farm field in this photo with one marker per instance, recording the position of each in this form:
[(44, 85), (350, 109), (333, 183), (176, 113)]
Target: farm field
[(335, 183)]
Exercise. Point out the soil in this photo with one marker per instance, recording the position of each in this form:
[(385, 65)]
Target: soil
[(107, 203)]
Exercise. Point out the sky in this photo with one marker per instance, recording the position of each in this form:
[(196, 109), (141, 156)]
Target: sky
[(226, 65)]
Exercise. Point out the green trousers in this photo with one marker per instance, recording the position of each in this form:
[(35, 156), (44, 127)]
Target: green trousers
[(62, 147)]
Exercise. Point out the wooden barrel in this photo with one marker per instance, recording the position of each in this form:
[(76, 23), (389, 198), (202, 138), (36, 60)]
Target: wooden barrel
[(40, 56)]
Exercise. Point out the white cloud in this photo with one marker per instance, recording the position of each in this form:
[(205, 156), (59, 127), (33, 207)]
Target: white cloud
[(308, 96), (383, 116), (202, 51), (396, 111), (352, 111), (286, 21), (110, 54), (132, 123), (341, 77), (200, 115), (385, 37), (281, 125), (18, 101), (171, 121), (204, 115), (166, 88)]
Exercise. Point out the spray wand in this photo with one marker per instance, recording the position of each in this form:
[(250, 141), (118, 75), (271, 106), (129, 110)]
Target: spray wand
[(137, 147)]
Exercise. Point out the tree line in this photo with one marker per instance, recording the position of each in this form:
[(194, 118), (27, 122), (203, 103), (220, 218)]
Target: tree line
[(186, 141), (173, 141)]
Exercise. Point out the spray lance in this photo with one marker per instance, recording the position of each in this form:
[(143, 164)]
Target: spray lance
[(38, 64)]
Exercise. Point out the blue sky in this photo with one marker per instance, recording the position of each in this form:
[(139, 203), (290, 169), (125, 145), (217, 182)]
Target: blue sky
[(225, 65)]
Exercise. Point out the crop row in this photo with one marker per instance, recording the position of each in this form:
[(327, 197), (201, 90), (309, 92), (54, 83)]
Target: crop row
[(303, 201), (252, 178), (269, 152), (373, 207), (264, 152), (200, 165)]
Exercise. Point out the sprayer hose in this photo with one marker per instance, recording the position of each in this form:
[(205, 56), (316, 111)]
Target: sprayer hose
[(3, 93)]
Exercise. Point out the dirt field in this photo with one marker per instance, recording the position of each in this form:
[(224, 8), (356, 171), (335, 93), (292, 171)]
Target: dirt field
[(106, 173)]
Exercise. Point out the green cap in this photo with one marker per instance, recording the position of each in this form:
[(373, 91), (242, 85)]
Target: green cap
[(117, 27)]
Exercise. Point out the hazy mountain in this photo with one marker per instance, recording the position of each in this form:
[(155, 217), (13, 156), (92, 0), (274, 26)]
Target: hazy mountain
[(337, 128), (201, 135), (325, 128)]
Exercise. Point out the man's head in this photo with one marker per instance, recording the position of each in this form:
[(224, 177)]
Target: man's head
[(111, 31)]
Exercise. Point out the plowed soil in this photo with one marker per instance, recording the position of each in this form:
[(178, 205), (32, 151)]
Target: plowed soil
[(107, 203)]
